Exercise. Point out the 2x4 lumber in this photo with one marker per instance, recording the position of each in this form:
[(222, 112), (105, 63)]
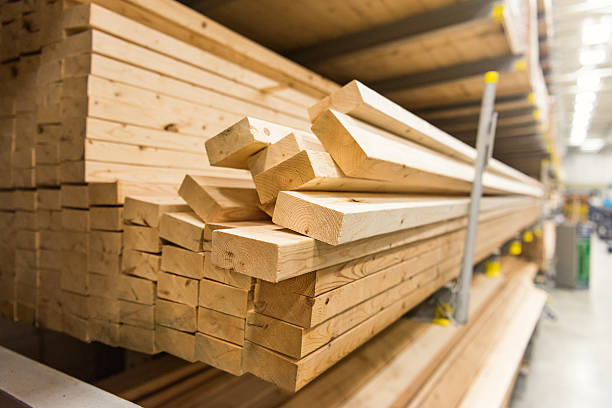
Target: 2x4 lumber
[(176, 315), (141, 238), (137, 339), (311, 170), (407, 373), (106, 218), (188, 25), (275, 254), (182, 262), (308, 312), (177, 288), (94, 16), (234, 145), (505, 357), (141, 264), (148, 211), (362, 150), (114, 192), (225, 298), (280, 151), (292, 375), (412, 25), (297, 342), (318, 282), (185, 229), (219, 353), (137, 314), (222, 325), (361, 102), (338, 218), (226, 276), (220, 203), (509, 103), (175, 342)]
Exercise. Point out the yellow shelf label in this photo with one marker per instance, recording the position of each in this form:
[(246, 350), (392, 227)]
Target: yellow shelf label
[(498, 13), (528, 236), (491, 76), (515, 248), (492, 269)]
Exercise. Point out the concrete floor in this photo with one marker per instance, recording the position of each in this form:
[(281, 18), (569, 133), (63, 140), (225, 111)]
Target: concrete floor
[(571, 360)]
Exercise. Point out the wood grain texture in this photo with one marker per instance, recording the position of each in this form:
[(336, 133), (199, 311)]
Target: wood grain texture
[(185, 229), (365, 151), (220, 203)]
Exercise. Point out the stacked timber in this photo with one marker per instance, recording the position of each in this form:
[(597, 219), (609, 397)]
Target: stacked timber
[(384, 371), (103, 100)]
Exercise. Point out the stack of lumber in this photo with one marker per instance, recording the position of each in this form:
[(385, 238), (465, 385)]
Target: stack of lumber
[(430, 58), (472, 365), (106, 99)]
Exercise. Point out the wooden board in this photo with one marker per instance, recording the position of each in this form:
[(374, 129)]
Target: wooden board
[(219, 203), (185, 229), (365, 151), (175, 342), (221, 325), (141, 238), (337, 218), (147, 211), (225, 298), (177, 288), (280, 151), (311, 170), (176, 315), (219, 353), (141, 264), (233, 147), (275, 254), (182, 262), (361, 102)]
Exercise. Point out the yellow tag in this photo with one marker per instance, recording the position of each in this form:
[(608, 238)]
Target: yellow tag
[(492, 269), (515, 248), (498, 13), (536, 114), (520, 65), (441, 322), (528, 236), (531, 97), (491, 77), (538, 232)]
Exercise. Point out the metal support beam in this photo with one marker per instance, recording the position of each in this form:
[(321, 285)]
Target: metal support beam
[(484, 147)]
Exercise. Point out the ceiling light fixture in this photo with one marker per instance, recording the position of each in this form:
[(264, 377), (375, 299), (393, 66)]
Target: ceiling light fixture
[(593, 56), (596, 32), (587, 81), (592, 145)]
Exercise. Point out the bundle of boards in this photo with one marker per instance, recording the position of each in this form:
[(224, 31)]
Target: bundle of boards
[(411, 363), (336, 232), (105, 99)]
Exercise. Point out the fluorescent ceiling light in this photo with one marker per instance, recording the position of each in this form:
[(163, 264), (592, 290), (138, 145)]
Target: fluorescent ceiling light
[(585, 97), (596, 32), (588, 81), (592, 57), (592, 145), (584, 107)]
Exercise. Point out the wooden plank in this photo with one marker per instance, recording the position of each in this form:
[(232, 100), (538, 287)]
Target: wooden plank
[(176, 342), (141, 238), (148, 210), (219, 353), (219, 203), (307, 311), (189, 26), (105, 286), (114, 192), (106, 218), (273, 254), (361, 102), (182, 228), (221, 325), (280, 151), (337, 218), (233, 146), (137, 290), (49, 198), (103, 309), (141, 264), (109, 242), (177, 288), (75, 219), (224, 298), (176, 315), (104, 332), (316, 171), (291, 375), (136, 314), (364, 151), (104, 263), (137, 339), (226, 276), (182, 262), (75, 196)]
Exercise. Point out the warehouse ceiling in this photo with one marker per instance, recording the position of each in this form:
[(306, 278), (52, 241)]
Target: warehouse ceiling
[(581, 64)]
